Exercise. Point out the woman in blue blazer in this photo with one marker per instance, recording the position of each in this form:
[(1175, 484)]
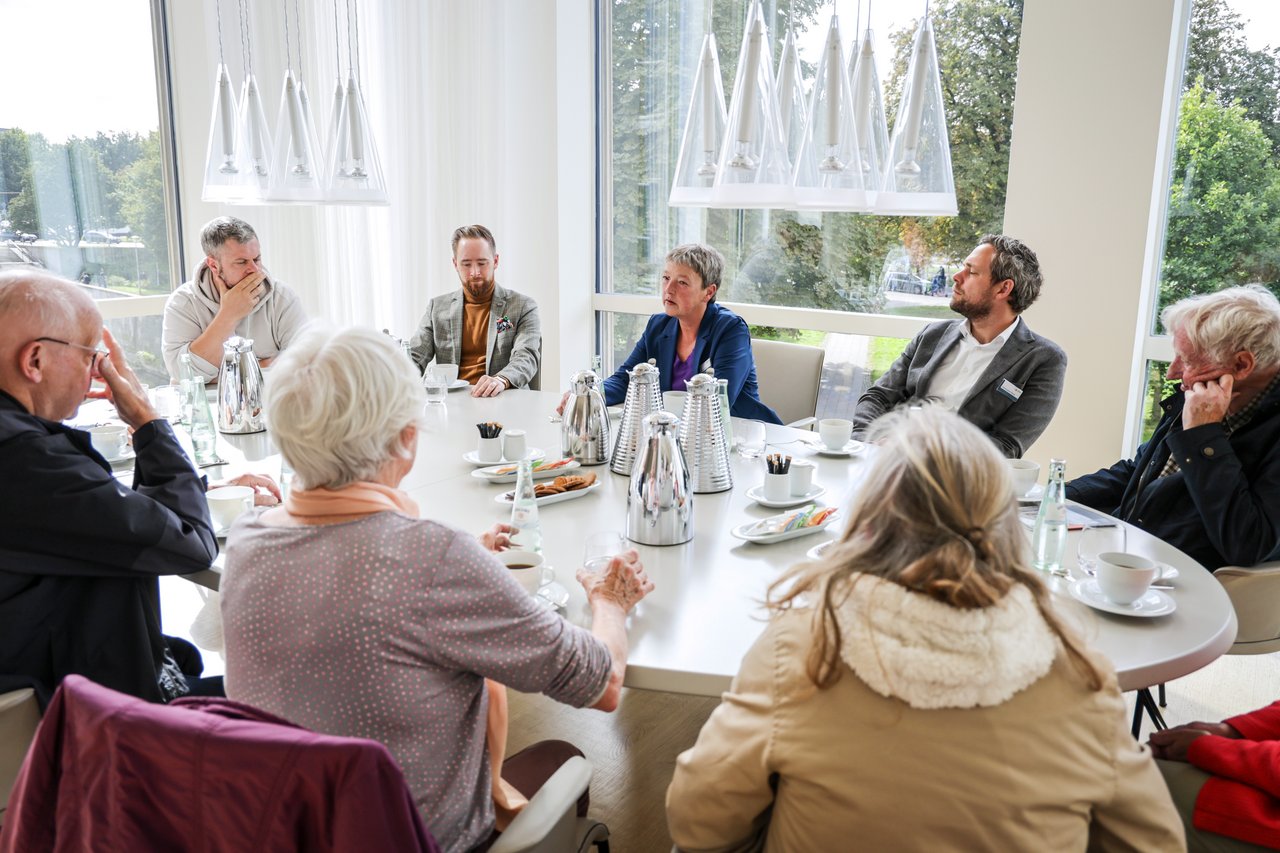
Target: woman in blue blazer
[(694, 333)]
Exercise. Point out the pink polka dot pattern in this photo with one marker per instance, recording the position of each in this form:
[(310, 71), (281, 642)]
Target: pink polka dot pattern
[(386, 628)]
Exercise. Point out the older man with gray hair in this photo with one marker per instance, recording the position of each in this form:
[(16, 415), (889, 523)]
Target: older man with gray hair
[(231, 294), (988, 367), (1208, 480)]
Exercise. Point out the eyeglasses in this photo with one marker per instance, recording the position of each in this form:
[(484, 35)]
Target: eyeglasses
[(98, 352)]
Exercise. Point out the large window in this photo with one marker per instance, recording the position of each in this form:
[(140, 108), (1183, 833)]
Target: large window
[(82, 160), (1223, 218), (853, 264)]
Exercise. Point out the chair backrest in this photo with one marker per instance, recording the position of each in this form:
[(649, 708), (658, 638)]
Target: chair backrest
[(19, 719), (789, 375), (107, 769), (1255, 594)]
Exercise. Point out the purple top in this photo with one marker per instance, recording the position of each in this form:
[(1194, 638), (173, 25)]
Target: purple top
[(385, 628), (681, 373)]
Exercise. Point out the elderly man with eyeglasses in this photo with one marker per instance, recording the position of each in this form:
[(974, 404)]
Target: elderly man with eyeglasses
[(80, 552)]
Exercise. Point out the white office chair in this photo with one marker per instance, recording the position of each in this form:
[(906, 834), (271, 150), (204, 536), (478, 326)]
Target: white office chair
[(789, 375), (19, 719), (1255, 594)]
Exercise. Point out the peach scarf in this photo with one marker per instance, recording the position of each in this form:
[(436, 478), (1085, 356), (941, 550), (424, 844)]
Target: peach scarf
[(368, 498)]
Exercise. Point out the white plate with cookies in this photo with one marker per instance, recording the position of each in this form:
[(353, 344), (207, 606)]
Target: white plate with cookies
[(565, 488)]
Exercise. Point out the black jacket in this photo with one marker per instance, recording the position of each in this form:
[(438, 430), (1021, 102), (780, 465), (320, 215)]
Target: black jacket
[(1222, 507), (80, 554)]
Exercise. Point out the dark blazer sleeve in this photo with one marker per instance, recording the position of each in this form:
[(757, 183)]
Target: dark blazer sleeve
[(730, 353), (615, 387), (1024, 421), (81, 520), (1104, 488), (889, 391)]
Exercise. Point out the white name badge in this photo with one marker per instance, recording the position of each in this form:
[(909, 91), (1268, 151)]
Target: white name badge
[(1007, 388)]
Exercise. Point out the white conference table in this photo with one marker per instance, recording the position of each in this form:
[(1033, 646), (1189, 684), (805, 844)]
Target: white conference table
[(691, 632)]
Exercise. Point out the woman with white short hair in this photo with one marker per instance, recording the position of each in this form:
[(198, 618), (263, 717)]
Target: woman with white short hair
[(345, 612)]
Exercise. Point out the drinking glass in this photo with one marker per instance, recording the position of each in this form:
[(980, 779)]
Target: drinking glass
[(1098, 540), (600, 549), (751, 439), (436, 386), (167, 401)]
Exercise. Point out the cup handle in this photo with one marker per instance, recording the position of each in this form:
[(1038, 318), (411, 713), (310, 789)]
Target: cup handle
[(547, 576)]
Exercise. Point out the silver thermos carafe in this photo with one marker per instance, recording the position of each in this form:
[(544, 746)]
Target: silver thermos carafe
[(584, 427), (702, 437), (659, 501), (644, 397), (240, 388)]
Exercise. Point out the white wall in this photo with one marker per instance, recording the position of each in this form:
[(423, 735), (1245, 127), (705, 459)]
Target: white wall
[(1088, 165)]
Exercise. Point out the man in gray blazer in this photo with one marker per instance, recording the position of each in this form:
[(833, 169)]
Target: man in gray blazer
[(990, 368), (491, 333)]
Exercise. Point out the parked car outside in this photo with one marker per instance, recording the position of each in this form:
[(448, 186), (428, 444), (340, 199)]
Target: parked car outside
[(905, 282), (98, 237)]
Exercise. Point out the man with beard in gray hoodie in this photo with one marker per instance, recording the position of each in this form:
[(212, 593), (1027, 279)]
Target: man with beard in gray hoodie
[(231, 294)]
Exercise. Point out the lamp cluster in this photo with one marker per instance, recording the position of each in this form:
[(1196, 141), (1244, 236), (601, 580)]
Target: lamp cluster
[(775, 148)]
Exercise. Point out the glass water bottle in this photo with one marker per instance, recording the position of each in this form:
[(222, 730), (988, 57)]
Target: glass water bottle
[(1049, 537), (722, 391), (196, 413), (526, 529)]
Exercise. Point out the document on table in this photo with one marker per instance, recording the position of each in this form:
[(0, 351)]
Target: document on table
[(1078, 517)]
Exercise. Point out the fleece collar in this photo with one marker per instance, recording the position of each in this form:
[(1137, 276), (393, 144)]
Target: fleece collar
[(908, 646)]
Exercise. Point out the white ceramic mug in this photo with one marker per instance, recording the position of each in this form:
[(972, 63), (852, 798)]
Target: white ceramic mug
[(109, 439), (673, 402), (1124, 578), (777, 487), (1024, 474), (490, 449), (228, 503), (448, 371), (514, 444), (529, 568), (835, 432), (801, 477)]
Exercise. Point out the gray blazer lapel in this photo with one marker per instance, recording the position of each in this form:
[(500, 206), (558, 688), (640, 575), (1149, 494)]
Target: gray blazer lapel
[(455, 327), (497, 308), (1019, 342)]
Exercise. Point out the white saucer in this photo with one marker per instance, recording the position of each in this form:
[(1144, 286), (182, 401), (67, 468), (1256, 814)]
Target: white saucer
[(816, 552), (1033, 496), (1153, 602), (553, 595), (756, 493), (853, 448), (459, 384), (127, 455), (473, 457)]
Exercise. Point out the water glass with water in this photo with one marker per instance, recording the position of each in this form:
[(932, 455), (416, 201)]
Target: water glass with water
[(751, 439), (436, 385), (600, 549)]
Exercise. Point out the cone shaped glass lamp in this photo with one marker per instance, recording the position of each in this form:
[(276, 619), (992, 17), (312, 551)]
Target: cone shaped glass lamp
[(355, 174), (753, 170), (296, 166), (828, 173), (868, 113), (791, 100), (703, 131), (255, 144), (222, 179), (917, 178)]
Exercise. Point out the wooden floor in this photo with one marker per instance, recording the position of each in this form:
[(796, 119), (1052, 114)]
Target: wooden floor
[(633, 750)]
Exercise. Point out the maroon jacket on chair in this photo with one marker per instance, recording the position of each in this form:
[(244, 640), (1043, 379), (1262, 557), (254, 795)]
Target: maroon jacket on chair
[(110, 772)]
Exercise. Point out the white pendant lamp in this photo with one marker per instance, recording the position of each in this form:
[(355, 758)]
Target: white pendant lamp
[(297, 172), (703, 131), (828, 172), (221, 169), (868, 112), (255, 149), (791, 99), (354, 173), (753, 170), (917, 177)]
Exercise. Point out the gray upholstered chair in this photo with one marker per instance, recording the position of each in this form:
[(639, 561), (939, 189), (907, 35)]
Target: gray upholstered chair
[(19, 719), (1255, 593), (789, 375)]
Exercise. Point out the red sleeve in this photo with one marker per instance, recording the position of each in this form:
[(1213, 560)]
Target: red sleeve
[(1262, 724), (1255, 763)]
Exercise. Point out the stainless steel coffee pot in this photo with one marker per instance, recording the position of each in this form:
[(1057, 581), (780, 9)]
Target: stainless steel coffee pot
[(240, 388), (644, 397), (584, 427), (702, 437), (659, 501)]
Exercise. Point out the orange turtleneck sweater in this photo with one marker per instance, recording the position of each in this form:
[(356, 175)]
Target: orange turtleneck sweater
[(475, 334)]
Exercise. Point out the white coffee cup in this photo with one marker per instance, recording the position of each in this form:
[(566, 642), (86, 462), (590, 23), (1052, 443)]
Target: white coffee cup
[(514, 444), (448, 371), (528, 568), (801, 477), (777, 487), (835, 432), (1124, 578), (673, 402), (109, 439), (490, 449), (228, 503), (1024, 474)]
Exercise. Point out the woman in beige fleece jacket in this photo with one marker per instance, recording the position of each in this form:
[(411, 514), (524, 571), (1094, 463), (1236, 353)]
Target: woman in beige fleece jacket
[(915, 691)]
